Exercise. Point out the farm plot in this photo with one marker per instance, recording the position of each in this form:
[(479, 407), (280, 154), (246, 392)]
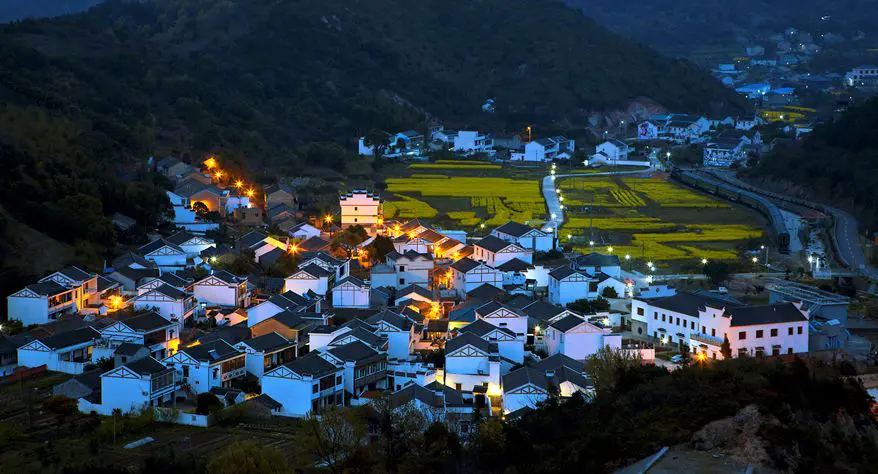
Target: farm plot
[(408, 208)]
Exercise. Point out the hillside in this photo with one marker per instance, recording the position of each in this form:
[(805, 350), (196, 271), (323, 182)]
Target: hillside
[(685, 25), (11, 10), (837, 163)]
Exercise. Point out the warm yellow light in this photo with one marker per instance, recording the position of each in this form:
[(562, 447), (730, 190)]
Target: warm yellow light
[(210, 163), (218, 174), (328, 219), (610, 249), (249, 193), (239, 183), (115, 302), (701, 357), (294, 248)]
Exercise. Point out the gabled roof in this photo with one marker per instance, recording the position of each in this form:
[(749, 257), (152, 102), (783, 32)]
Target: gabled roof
[(322, 256), (361, 334), (464, 265), (556, 369), (567, 323), (470, 339), (131, 258), (313, 365), (146, 366), (71, 338), (392, 319), (493, 244), (280, 209), (75, 273), (353, 352), (136, 274), (565, 271), (179, 238), (514, 265), (272, 256), (353, 280), (431, 236), (520, 302), (273, 188), (129, 349), (480, 328), (170, 292), (267, 342), (448, 244), (229, 334), (313, 244), (225, 276), (766, 314), (47, 288), (542, 311), (105, 284), (213, 351), (412, 225), (251, 239), (595, 259), (514, 229), (409, 254), (146, 322), (290, 320), (689, 303), (416, 289), (157, 244), (314, 270), (485, 292), (492, 307)]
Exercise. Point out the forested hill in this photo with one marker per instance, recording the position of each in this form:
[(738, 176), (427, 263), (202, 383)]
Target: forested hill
[(259, 77), (688, 25), (11, 10), (838, 162)]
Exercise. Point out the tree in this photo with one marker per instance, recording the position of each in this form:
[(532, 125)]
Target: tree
[(207, 403), (333, 439), (605, 367), (717, 271), (585, 306), (200, 208), (726, 348), (378, 141), (379, 248), (685, 354), (248, 458), (610, 292)]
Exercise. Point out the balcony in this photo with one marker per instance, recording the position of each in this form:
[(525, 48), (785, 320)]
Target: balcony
[(233, 374), (704, 338)]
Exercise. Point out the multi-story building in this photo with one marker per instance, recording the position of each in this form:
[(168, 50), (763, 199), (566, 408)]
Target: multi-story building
[(202, 367), (360, 207), (68, 290)]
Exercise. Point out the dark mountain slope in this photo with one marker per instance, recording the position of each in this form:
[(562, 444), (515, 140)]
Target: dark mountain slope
[(11, 10)]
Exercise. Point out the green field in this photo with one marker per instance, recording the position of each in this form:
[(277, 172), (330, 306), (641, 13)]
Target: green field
[(654, 219)]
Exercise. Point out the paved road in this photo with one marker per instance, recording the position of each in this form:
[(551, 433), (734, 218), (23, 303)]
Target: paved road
[(551, 196), (846, 235)]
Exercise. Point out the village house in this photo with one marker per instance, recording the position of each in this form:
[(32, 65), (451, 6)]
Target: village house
[(473, 142), (204, 366), (596, 263), (211, 197), (577, 338), (265, 352), (191, 245), (510, 346), (303, 231), (422, 242), (472, 364), (280, 194), (567, 285), (68, 351), (468, 274), (410, 268), (287, 301), (323, 337), (495, 251), (171, 279), (414, 294), (134, 387), (171, 303), (221, 288), (647, 130), (530, 385), (351, 292), (504, 317), (338, 267), (292, 326), (305, 385), (68, 290), (260, 244), (547, 149), (438, 404), (612, 150), (399, 331), (311, 277), (360, 207), (525, 236), (160, 336), (281, 213), (365, 369), (686, 128), (173, 169), (167, 256)]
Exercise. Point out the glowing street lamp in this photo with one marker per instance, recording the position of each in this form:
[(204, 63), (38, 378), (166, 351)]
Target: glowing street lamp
[(239, 183), (210, 163), (649, 264), (250, 193), (218, 174), (610, 249), (627, 257), (704, 261), (553, 215), (591, 243), (569, 236), (755, 260), (328, 219)]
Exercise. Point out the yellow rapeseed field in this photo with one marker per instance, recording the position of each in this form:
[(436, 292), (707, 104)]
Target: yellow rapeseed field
[(408, 208)]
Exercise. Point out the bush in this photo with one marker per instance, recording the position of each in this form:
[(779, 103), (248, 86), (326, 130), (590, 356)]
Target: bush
[(610, 292), (207, 403)]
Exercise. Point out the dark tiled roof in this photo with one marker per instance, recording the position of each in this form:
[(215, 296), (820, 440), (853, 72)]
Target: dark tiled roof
[(290, 320), (352, 279), (514, 265), (409, 254), (75, 273), (514, 229), (766, 314), (267, 342), (492, 307), (47, 288), (229, 334), (412, 225), (157, 244), (250, 239), (212, 351), (542, 311), (105, 284), (464, 313), (472, 340), (519, 301), (481, 327), (417, 289), (563, 272), (272, 256), (313, 244), (70, 338), (146, 322), (146, 366), (128, 349), (595, 259), (174, 280), (567, 323), (688, 303), (391, 318), (464, 265), (179, 238), (492, 243), (313, 365), (137, 274), (353, 352), (264, 401), (171, 292), (361, 334), (485, 292), (437, 325), (315, 270), (131, 258)]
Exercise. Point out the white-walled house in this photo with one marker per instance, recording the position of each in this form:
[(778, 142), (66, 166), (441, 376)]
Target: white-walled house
[(411, 268), (509, 345), (311, 277), (221, 288), (577, 338), (351, 292), (135, 386), (470, 362), (202, 367), (472, 142), (171, 303), (288, 301), (265, 352), (525, 236), (365, 369), (303, 231), (547, 149), (167, 256), (468, 274), (567, 285), (190, 244), (360, 207), (495, 251), (305, 385), (399, 331), (529, 386), (606, 281), (703, 322), (596, 263), (613, 150), (170, 279), (67, 352), (501, 316), (68, 290), (160, 336)]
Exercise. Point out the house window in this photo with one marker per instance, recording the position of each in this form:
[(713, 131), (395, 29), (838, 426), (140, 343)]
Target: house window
[(678, 321), (775, 350), (789, 350), (742, 352), (458, 387), (315, 388), (355, 208), (355, 219), (759, 333), (760, 351), (774, 333), (185, 371), (712, 332), (663, 318), (640, 311), (703, 329), (742, 335), (402, 281), (790, 331), (338, 379), (799, 330), (655, 316), (401, 268), (692, 326)]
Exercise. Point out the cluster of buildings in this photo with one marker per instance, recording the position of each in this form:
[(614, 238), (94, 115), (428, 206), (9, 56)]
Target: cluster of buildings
[(414, 145), (162, 325)]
